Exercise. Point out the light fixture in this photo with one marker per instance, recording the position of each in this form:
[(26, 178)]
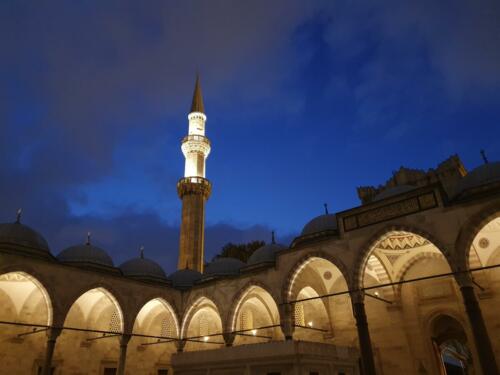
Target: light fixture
[(310, 324), (376, 293), (254, 332), (206, 338)]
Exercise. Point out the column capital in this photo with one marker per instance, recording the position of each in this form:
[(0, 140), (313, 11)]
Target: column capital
[(53, 333), (180, 344), (229, 338), (124, 339), (357, 296)]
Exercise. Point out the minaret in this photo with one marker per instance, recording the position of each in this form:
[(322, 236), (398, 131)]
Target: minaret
[(194, 189)]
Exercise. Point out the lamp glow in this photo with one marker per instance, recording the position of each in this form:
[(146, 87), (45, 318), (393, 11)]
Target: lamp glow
[(254, 332), (310, 324), (206, 338)]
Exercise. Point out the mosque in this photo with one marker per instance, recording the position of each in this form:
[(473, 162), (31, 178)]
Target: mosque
[(408, 282)]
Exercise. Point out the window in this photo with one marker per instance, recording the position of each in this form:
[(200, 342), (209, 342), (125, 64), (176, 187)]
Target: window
[(299, 314), (114, 322), (162, 372), (246, 320), (313, 373), (203, 326), (109, 371)]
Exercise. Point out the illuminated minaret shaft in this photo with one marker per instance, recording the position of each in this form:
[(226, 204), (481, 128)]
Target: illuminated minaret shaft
[(194, 189)]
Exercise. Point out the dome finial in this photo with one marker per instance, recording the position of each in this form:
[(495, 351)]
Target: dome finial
[(326, 208), (483, 155), (273, 241), (141, 249), (18, 215), (88, 238)]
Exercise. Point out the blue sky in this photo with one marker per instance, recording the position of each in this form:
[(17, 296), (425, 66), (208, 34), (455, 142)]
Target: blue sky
[(306, 100)]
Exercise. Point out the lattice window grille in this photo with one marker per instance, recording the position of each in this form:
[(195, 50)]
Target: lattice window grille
[(299, 314), (166, 328), (114, 322)]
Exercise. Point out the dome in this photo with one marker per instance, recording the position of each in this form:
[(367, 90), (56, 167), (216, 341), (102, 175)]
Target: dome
[(86, 254), (391, 192), (482, 175), (18, 234), (223, 266), (320, 224), (143, 268), (184, 278), (265, 254)]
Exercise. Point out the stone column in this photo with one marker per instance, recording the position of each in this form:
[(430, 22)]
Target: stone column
[(180, 344), (52, 335), (287, 320), (124, 339), (229, 338), (365, 344), (481, 338)]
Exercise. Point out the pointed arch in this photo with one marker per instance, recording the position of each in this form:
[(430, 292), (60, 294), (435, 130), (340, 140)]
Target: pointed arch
[(470, 229), (240, 299), (21, 287), (93, 302), (385, 233), (201, 302), (156, 305), (303, 262)]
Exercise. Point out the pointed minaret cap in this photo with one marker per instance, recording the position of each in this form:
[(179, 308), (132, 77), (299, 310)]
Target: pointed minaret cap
[(197, 105)]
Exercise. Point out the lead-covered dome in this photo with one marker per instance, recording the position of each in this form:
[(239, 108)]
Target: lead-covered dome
[(480, 176), (393, 191), (185, 278), (22, 236), (86, 254), (223, 266), (265, 254), (143, 268), (323, 223)]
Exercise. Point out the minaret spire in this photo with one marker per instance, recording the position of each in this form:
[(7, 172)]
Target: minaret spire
[(197, 104), (194, 189)]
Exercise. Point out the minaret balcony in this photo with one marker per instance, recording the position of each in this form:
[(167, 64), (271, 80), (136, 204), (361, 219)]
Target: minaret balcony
[(194, 185), (195, 143)]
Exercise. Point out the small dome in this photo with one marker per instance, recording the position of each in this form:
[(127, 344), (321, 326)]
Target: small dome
[(224, 267), (21, 235), (265, 254), (142, 268), (482, 175), (326, 222), (85, 254), (184, 278), (391, 192)]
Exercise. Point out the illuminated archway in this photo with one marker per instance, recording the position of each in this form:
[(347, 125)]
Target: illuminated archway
[(331, 318), (95, 322), (398, 256), (254, 309), (202, 326), (23, 299)]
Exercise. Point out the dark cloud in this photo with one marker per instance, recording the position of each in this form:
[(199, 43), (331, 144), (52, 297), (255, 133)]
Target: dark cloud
[(93, 100)]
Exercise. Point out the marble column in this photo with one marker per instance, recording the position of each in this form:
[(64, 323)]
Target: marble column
[(124, 339), (365, 344), (481, 338), (52, 335), (287, 320)]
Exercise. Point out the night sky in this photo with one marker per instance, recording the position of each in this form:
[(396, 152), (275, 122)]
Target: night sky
[(305, 101)]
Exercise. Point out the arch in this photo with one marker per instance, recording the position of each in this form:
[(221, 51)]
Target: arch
[(239, 300), (91, 298), (156, 304), (260, 292), (303, 262), (201, 303), (23, 293), (384, 233), (470, 229)]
